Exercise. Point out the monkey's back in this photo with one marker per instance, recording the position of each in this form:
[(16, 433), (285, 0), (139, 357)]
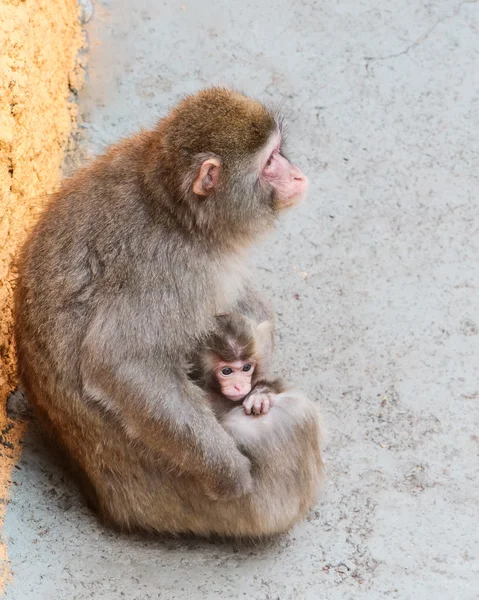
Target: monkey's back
[(63, 271), (96, 243)]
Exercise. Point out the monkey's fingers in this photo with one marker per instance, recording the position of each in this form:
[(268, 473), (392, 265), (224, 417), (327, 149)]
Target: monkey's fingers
[(268, 402), (248, 404), (260, 404)]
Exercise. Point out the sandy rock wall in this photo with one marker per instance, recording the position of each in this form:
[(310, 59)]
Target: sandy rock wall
[(39, 68), (39, 45)]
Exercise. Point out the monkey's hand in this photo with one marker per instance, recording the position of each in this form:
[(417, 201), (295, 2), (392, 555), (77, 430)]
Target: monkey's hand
[(259, 400), (232, 485)]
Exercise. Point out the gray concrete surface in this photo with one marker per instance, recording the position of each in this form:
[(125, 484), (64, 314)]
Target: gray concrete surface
[(374, 280)]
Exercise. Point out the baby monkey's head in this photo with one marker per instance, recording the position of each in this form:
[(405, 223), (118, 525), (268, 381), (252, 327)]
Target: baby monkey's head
[(234, 378), (232, 358)]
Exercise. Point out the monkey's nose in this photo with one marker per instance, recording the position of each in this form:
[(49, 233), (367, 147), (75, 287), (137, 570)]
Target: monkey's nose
[(296, 173)]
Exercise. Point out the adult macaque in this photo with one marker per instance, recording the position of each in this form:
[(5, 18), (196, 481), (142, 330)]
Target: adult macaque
[(121, 278), (229, 366)]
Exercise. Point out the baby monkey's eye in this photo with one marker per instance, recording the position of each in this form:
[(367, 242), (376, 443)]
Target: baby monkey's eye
[(227, 371), (247, 368)]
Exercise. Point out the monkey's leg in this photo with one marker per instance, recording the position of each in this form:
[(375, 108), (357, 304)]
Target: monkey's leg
[(135, 488), (284, 448)]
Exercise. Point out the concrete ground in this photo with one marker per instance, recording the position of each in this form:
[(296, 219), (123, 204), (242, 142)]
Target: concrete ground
[(374, 280)]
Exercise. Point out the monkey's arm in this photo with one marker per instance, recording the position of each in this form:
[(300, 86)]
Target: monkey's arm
[(273, 386), (159, 408)]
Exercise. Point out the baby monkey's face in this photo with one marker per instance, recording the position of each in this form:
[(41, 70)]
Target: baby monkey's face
[(234, 378)]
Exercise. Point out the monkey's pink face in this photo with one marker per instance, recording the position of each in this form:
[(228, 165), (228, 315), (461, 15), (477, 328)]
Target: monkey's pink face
[(235, 378), (287, 179)]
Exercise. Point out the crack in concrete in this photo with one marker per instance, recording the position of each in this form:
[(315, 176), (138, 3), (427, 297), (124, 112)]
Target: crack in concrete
[(422, 38)]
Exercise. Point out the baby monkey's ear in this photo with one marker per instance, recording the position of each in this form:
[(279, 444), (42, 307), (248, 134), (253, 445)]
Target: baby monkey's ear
[(265, 328), (265, 334)]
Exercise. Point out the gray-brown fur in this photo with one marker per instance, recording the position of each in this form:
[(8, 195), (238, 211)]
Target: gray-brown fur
[(233, 339), (119, 280), (236, 338)]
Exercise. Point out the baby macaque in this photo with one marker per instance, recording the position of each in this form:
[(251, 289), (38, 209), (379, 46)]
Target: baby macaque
[(230, 365)]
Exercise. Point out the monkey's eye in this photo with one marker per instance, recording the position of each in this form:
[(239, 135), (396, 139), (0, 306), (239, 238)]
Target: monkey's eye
[(271, 166), (226, 371), (247, 368)]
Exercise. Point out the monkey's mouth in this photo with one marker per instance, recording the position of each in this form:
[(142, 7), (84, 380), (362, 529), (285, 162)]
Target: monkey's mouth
[(235, 397)]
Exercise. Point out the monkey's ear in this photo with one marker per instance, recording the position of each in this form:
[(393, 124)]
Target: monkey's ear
[(265, 335), (265, 328), (208, 177)]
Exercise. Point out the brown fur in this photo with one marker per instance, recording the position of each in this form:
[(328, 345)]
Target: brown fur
[(236, 338), (119, 280), (233, 339), (214, 123)]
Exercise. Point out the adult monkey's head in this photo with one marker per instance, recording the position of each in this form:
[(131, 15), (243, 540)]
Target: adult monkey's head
[(219, 154)]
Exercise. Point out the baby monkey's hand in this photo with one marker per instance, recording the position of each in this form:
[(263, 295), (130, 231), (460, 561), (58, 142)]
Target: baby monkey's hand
[(259, 400)]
